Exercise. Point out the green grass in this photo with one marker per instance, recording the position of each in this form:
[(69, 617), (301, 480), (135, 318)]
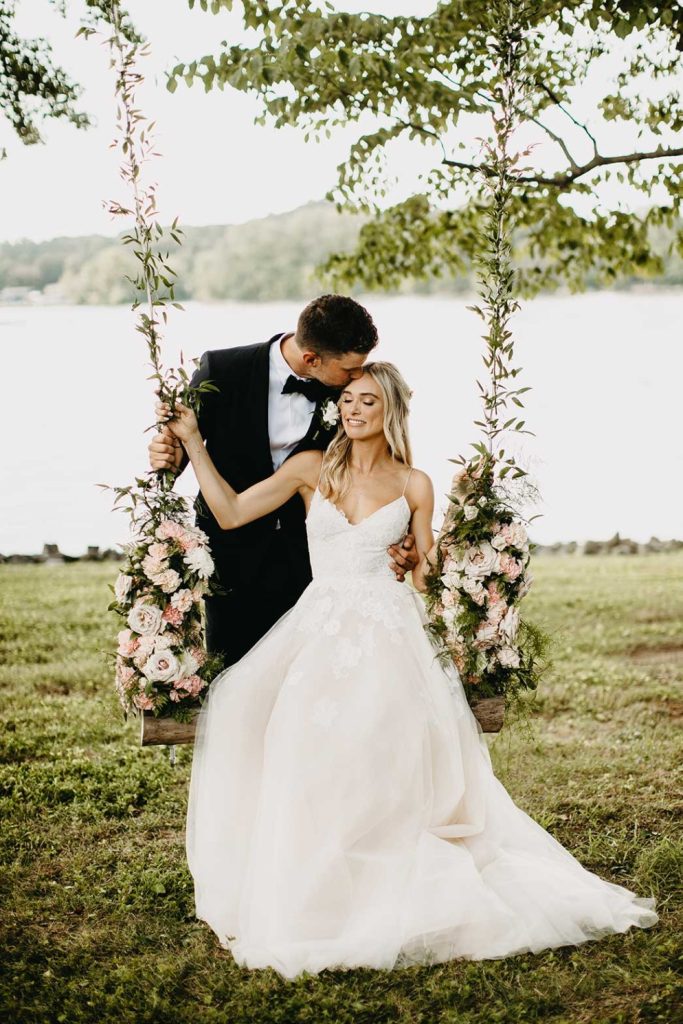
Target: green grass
[(98, 914)]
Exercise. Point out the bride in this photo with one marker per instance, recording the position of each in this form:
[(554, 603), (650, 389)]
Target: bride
[(343, 810)]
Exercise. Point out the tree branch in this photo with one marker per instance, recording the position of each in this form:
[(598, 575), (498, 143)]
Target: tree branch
[(523, 115), (569, 177), (579, 124)]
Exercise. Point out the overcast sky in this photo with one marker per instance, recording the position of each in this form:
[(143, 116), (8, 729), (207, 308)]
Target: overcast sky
[(218, 167)]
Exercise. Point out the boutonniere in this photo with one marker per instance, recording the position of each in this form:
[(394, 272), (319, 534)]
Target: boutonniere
[(328, 416)]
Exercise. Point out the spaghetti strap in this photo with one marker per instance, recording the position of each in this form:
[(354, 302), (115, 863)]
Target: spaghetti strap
[(406, 483)]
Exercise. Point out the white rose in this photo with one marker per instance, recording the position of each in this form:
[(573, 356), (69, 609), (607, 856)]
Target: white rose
[(482, 560), (475, 590), (486, 635), (498, 542), (144, 618), (452, 580), (161, 667), (143, 650), (183, 600), (197, 534), (482, 501), (449, 615), (188, 665), (518, 535), (153, 567), (163, 643), (470, 512), (508, 657), (509, 624), (200, 561), (168, 581), (122, 587)]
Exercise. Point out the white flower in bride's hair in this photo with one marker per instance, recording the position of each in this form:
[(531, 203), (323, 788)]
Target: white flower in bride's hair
[(122, 587), (144, 618), (329, 413), (470, 512), (200, 561)]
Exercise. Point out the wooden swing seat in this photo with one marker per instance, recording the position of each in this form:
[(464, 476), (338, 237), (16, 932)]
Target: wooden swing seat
[(489, 712)]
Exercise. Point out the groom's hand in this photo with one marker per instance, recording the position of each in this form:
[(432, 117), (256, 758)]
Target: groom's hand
[(404, 557), (165, 450)]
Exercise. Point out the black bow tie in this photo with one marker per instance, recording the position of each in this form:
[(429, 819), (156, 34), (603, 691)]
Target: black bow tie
[(314, 390)]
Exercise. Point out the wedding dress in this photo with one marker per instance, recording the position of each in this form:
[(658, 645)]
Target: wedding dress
[(343, 810)]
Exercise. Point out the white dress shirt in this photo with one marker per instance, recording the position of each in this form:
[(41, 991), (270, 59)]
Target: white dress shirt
[(289, 416)]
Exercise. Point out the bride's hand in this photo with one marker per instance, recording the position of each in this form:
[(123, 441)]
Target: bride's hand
[(182, 423)]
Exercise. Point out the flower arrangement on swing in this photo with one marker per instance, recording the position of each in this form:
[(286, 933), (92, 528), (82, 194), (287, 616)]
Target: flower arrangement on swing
[(161, 665)]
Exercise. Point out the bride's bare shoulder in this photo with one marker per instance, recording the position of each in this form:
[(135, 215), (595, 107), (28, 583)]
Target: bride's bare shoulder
[(419, 488), (306, 466)]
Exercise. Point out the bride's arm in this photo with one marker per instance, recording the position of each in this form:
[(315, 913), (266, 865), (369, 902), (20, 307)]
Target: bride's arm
[(230, 508), (421, 498)]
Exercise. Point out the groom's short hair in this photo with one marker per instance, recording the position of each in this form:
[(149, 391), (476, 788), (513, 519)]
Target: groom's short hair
[(333, 324)]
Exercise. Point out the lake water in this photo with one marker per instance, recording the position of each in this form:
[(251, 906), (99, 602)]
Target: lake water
[(606, 371)]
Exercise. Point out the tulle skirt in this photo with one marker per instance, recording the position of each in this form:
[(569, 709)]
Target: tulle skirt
[(343, 810)]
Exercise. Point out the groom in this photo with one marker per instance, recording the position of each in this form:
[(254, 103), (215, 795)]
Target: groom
[(274, 399)]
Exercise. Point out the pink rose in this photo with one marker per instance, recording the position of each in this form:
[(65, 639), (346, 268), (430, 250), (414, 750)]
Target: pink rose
[(191, 684), (143, 702), (172, 615), (124, 673), (514, 535), (496, 612), (199, 656), (168, 530), (159, 552), (510, 567), (127, 643)]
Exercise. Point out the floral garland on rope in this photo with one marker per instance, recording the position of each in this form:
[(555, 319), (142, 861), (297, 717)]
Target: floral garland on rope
[(161, 662), (482, 571)]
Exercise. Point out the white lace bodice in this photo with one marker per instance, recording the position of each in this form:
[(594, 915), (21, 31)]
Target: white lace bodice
[(339, 548)]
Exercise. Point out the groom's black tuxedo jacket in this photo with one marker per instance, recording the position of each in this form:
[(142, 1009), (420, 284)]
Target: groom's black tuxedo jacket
[(234, 425)]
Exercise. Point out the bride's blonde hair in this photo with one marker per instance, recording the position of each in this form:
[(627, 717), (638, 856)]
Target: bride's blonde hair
[(335, 478)]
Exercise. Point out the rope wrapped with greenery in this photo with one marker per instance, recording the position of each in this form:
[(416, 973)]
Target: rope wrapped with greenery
[(482, 569), (161, 662)]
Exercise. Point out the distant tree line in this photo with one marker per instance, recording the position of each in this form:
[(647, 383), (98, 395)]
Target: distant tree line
[(271, 259)]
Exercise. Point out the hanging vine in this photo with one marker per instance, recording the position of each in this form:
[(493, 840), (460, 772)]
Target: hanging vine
[(161, 662), (482, 568)]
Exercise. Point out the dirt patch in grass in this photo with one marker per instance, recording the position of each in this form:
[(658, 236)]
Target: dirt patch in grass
[(668, 652), (671, 707)]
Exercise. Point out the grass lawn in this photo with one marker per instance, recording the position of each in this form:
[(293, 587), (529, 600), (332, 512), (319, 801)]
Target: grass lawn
[(97, 921)]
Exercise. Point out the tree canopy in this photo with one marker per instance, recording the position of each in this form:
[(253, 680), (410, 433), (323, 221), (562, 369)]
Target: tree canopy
[(424, 80), (33, 88)]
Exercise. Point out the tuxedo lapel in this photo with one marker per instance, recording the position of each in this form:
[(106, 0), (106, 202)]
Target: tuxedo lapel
[(318, 435)]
